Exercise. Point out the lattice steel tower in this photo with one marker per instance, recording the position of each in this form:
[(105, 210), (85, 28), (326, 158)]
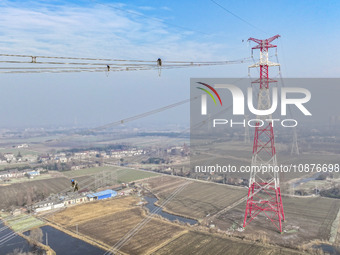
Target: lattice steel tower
[(264, 194)]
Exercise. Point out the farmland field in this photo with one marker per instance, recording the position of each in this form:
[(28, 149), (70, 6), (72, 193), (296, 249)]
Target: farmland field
[(114, 226), (129, 175), (24, 222), (201, 244), (306, 219), (123, 174), (198, 199), (22, 193), (239, 154), (87, 171), (34, 190), (17, 193), (82, 213), (108, 221)]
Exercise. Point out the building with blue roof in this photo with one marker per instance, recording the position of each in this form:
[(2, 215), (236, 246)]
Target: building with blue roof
[(31, 174), (102, 194)]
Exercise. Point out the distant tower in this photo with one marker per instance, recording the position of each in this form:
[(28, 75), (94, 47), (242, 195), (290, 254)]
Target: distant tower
[(246, 131), (264, 194), (209, 122), (295, 146)]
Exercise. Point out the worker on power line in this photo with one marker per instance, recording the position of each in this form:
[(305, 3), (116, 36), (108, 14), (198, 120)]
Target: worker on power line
[(74, 185), (159, 64)]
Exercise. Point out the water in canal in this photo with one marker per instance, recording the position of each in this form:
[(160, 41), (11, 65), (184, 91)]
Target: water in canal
[(9, 242), (151, 206), (63, 243), (308, 179), (327, 249)]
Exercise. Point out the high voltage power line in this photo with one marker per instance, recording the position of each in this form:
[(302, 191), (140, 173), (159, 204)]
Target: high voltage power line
[(238, 17), (49, 64), (161, 21), (128, 236), (13, 63), (142, 115)]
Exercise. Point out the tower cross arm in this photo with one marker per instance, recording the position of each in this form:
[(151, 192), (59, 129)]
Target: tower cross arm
[(266, 43), (269, 40), (255, 40)]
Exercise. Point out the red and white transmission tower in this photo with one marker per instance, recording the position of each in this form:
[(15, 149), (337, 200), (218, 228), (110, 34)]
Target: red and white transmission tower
[(264, 194)]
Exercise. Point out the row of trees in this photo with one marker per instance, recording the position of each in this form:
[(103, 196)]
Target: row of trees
[(332, 192)]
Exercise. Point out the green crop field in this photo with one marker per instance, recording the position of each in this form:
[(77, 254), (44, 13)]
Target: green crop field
[(89, 171), (24, 222), (123, 174), (129, 175)]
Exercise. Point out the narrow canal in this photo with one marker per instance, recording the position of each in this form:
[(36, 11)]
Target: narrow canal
[(152, 207), (10, 242), (63, 243)]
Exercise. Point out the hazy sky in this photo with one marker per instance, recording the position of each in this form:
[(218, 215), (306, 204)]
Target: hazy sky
[(308, 48)]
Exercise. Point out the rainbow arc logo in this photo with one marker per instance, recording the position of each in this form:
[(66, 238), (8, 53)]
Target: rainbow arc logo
[(209, 93)]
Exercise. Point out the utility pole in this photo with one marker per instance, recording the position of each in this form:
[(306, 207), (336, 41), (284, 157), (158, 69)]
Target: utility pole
[(316, 189), (264, 194)]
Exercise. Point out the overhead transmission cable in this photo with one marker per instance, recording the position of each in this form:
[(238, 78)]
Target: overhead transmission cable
[(16, 63), (294, 143), (149, 17), (7, 237), (237, 16), (142, 115), (127, 237), (140, 225), (134, 231)]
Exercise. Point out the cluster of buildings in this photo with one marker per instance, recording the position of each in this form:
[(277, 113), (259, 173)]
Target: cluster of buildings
[(65, 201), (5, 175), (178, 150), (126, 153), (24, 145), (7, 158), (71, 157), (76, 160), (63, 157)]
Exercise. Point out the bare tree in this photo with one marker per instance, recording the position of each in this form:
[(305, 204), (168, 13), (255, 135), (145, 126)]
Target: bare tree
[(36, 236), (29, 198), (19, 252), (20, 199)]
